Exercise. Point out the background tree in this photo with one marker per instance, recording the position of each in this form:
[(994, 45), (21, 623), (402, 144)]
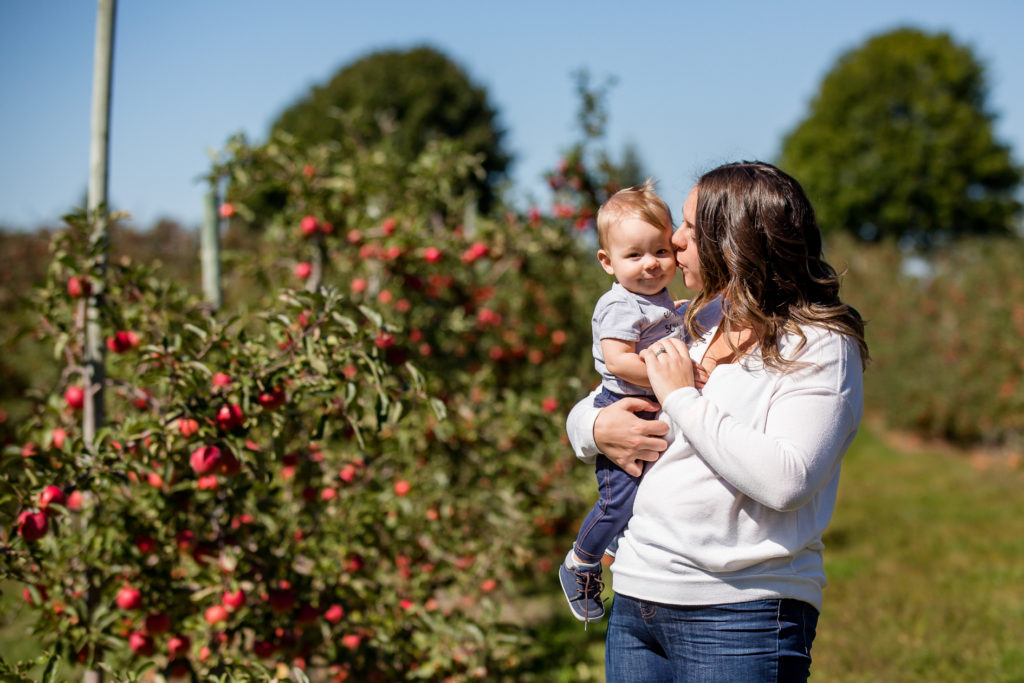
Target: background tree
[(408, 98), (899, 143), (587, 174)]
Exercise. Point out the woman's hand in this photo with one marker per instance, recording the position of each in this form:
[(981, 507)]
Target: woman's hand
[(626, 439), (668, 366)]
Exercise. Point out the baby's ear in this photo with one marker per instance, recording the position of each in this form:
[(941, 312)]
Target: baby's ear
[(606, 261)]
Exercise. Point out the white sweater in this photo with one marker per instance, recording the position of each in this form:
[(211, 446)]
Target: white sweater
[(735, 508)]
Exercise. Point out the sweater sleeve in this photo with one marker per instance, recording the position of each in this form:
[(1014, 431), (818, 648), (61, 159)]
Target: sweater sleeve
[(580, 428), (810, 423)]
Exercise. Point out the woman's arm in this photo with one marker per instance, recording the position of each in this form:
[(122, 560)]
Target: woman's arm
[(810, 424), (615, 431)]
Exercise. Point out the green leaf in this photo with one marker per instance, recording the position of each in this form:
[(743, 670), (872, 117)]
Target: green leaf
[(373, 315), (52, 669), (440, 410)]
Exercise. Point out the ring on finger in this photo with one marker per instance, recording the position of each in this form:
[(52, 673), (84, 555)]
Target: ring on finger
[(658, 351)]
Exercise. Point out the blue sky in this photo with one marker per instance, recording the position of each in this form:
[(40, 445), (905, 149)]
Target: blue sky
[(697, 83)]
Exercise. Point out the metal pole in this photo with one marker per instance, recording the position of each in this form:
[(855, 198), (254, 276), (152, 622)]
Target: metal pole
[(93, 413), (99, 150), (209, 249)]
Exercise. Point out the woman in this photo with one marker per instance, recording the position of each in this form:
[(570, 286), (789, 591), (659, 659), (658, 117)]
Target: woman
[(719, 576)]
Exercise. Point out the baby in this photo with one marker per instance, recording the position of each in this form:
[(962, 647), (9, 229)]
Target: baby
[(634, 229)]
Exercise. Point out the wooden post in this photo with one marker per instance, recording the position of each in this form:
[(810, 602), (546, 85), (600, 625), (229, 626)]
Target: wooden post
[(209, 248)]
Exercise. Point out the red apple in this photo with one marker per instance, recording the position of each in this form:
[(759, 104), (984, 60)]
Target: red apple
[(263, 649), (51, 494), (140, 643), (226, 210), (432, 255), (32, 525), (334, 614), (78, 286), (229, 465), (57, 438), (272, 399), (402, 487), (220, 379), (145, 544), (129, 598), (122, 341), (75, 500), (74, 396), (549, 405), (187, 426), (351, 640), (309, 225), (347, 473), (208, 483), (303, 270), (233, 600), (205, 459), (215, 614), (475, 251), (281, 600), (358, 285), (157, 623), (178, 646), (388, 226), (41, 590), (230, 417)]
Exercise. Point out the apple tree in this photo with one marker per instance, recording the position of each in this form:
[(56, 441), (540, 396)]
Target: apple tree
[(355, 478)]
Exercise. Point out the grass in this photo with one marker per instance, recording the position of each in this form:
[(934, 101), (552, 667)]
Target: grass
[(925, 558)]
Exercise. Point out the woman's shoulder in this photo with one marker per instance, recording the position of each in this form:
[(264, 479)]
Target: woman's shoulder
[(824, 353)]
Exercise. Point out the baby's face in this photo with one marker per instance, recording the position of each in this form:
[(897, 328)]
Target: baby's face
[(639, 255)]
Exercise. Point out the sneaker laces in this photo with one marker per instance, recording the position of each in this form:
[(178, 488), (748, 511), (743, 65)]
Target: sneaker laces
[(592, 586)]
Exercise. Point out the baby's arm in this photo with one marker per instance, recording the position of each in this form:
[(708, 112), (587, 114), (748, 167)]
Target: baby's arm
[(622, 360)]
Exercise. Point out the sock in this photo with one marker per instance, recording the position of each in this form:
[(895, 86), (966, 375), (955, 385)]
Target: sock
[(572, 563)]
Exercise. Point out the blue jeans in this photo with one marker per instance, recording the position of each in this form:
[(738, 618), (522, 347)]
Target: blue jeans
[(747, 642), (616, 491)]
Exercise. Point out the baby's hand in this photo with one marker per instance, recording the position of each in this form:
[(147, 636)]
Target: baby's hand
[(700, 375)]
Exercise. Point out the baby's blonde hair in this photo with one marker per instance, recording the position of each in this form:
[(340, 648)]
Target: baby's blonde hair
[(639, 201)]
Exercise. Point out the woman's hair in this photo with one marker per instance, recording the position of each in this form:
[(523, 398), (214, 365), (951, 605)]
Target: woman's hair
[(759, 247), (639, 201)]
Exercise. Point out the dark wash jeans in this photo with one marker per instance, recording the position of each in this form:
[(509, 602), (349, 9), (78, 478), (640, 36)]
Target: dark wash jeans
[(747, 642), (616, 491)]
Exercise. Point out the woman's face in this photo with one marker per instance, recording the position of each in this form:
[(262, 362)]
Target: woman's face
[(686, 248)]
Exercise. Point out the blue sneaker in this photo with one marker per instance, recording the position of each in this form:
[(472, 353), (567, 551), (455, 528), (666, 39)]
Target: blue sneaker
[(582, 586)]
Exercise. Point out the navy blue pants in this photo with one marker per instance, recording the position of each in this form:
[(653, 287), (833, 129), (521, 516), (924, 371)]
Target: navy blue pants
[(614, 506)]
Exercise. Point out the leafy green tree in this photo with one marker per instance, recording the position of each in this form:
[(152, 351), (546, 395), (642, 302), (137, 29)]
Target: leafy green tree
[(899, 143), (407, 98)]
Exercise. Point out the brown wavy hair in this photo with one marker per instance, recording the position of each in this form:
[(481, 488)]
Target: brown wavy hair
[(760, 249)]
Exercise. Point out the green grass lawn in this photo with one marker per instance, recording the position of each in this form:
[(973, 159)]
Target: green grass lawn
[(925, 558)]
